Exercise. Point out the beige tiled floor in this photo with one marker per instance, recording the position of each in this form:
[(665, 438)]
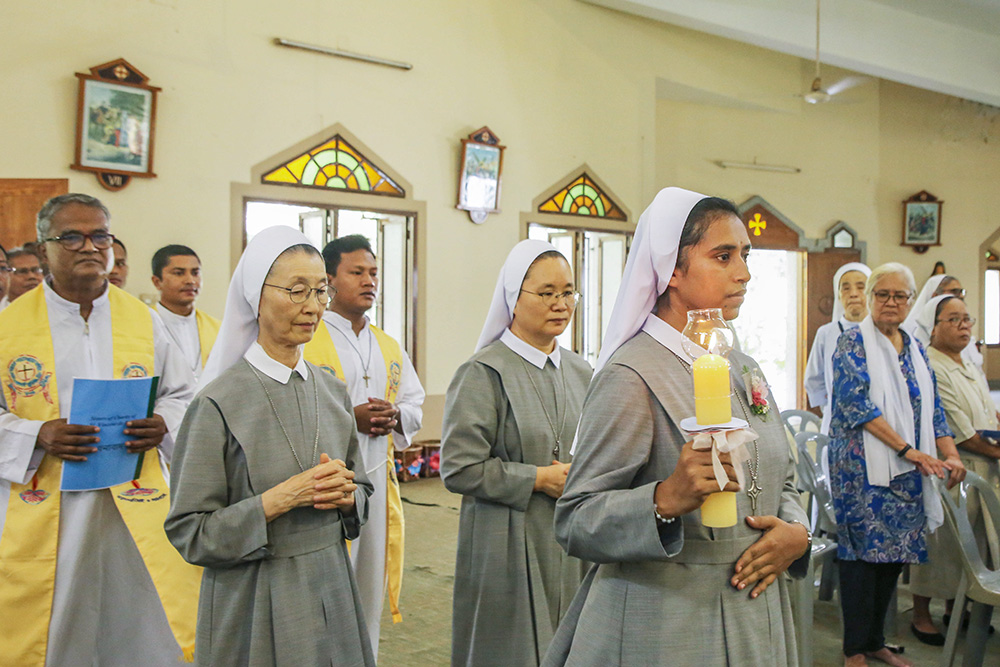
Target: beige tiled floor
[(423, 638)]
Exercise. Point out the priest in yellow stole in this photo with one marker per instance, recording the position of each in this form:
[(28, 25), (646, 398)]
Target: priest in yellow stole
[(88, 577), (177, 276), (387, 398)]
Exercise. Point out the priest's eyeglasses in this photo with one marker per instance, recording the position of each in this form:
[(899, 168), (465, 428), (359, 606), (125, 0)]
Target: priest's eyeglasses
[(883, 296), (301, 293), (76, 240), (957, 292), (550, 299)]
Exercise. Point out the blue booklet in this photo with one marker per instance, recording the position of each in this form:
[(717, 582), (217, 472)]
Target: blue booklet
[(108, 404)]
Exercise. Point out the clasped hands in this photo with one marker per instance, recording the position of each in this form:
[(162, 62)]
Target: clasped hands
[(328, 485), (376, 417), (760, 565), (72, 442)]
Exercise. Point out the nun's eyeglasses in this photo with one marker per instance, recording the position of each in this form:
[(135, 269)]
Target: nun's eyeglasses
[(550, 299), (301, 293)]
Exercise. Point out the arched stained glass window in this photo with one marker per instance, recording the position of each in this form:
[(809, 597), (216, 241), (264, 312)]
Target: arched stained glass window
[(583, 197), (335, 164)]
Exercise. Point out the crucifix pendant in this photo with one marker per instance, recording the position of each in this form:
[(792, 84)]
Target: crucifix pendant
[(366, 379), (753, 492)]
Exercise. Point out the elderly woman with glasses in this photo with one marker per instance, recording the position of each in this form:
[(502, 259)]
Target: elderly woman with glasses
[(886, 431), (509, 421), (267, 481)]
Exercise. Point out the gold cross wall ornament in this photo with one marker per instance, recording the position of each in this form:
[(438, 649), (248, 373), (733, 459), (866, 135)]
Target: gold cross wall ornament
[(758, 224)]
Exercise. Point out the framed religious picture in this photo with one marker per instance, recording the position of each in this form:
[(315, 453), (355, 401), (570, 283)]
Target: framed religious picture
[(115, 124), (922, 221), (479, 174)]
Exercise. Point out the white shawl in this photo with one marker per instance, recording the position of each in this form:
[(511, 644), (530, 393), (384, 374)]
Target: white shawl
[(888, 391)]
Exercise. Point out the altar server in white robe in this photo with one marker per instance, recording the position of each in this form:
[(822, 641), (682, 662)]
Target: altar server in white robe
[(849, 308), (177, 277), (76, 589), (387, 398), (667, 590)]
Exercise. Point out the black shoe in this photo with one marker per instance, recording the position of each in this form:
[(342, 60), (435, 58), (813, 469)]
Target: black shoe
[(929, 638), (895, 648), (965, 623)]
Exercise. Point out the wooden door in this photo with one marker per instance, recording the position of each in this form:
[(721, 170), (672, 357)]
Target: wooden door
[(20, 200), (821, 268)]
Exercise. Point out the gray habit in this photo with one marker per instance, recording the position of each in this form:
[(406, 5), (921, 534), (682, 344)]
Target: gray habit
[(512, 580), (279, 593), (660, 595)]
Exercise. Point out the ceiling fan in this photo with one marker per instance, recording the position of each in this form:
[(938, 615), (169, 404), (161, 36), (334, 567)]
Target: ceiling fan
[(817, 93)]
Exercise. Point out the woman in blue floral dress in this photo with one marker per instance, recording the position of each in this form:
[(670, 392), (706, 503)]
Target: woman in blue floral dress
[(882, 505)]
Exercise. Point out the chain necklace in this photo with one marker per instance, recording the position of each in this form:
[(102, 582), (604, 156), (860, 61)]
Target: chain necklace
[(364, 365), (552, 426), (314, 459), (755, 489)]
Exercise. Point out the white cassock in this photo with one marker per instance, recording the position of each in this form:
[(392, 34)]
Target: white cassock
[(105, 610), (368, 551), (183, 329)]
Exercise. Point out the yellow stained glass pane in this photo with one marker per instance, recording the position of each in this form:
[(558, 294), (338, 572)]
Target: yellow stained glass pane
[(297, 165), (281, 176)]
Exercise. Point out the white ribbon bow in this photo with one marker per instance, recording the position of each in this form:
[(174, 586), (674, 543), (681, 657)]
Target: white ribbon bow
[(734, 442)]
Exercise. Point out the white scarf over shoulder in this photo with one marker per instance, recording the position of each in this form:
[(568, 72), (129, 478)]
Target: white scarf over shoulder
[(888, 391)]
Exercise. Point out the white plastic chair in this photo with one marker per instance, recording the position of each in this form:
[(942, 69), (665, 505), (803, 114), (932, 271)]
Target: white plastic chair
[(979, 584), (797, 421)]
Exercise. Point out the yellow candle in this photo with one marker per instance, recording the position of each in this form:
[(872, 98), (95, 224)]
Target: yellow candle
[(712, 403), (719, 510)]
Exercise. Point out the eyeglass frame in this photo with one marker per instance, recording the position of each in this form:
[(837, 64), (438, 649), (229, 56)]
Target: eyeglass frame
[(330, 291), (562, 296), (968, 319), (61, 240), (894, 296), (24, 270), (958, 292)]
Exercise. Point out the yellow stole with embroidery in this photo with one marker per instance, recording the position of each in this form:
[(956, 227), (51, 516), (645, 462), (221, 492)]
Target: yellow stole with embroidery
[(322, 352), (29, 545), (208, 331)]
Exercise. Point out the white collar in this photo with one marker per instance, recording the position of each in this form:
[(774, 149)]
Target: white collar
[(847, 324), (343, 324), (532, 355), (169, 314), (53, 299), (277, 371), (669, 337)]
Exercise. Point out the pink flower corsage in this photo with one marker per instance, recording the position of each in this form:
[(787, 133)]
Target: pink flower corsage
[(757, 391)]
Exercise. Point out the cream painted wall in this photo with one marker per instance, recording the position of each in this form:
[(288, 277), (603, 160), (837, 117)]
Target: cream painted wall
[(560, 81)]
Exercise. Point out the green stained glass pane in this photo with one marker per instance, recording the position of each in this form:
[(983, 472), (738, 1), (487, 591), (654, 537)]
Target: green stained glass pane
[(599, 206), (324, 158), (583, 210), (347, 160), (309, 173), (336, 182), (362, 177)]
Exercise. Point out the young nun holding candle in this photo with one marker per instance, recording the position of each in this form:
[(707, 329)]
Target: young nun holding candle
[(263, 493), (510, 415), (666, 589)]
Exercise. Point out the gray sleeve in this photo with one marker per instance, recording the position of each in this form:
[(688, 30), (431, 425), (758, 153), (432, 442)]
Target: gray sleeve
[(815, 382), (356, 518), (469, 464), (202, 524), (790, 509), (602, 516)]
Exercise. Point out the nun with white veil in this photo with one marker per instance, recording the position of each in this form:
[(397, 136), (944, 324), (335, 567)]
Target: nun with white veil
[(510, 416), (849, 308), (667, 590), (267, 478), (939, 285)]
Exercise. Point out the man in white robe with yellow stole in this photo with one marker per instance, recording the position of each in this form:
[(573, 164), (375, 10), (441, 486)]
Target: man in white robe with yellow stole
[(88, 577), (387, 398), (177, 276)]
